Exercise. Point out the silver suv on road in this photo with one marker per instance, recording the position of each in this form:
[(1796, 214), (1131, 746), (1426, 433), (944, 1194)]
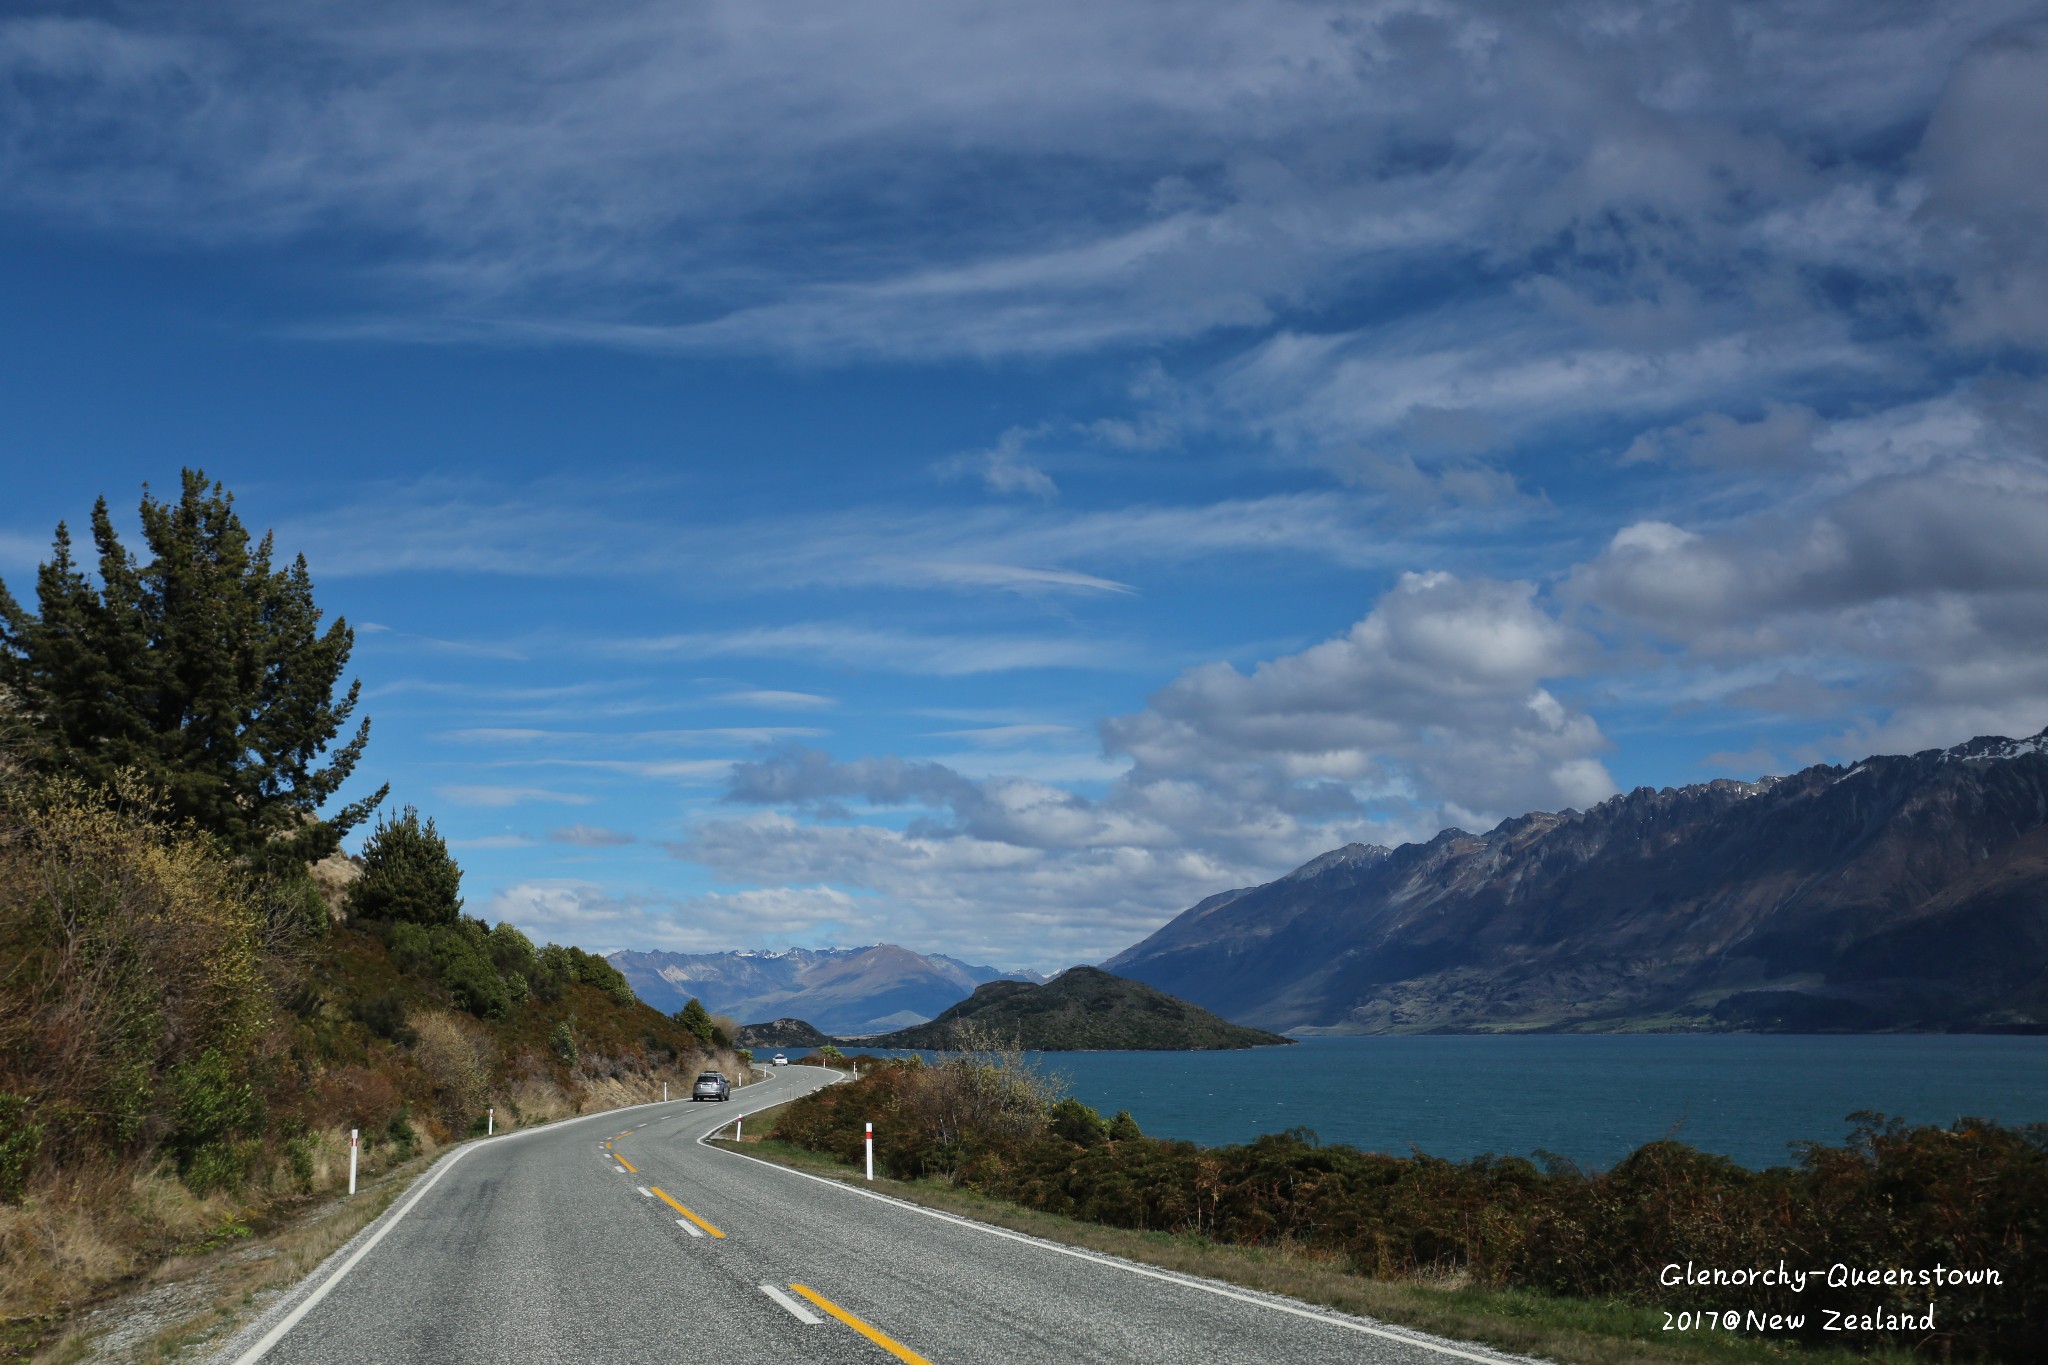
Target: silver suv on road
[(711, 1086)]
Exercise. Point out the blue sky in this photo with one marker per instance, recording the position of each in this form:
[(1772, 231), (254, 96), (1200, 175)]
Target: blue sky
[(984, 477)]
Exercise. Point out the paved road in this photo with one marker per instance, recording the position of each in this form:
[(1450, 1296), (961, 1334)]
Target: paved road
[(619, 1238)]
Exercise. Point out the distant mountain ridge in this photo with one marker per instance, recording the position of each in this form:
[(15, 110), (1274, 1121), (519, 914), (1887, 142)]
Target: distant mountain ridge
[(1081, 1009), (845, 991), (1902, 892)]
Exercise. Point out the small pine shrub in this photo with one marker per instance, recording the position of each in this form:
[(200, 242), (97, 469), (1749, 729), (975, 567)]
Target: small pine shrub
[(407, 874)]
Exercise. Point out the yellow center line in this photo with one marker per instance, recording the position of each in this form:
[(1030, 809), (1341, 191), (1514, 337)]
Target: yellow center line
[(887, 1343), (663, 1195), (627, 1164)]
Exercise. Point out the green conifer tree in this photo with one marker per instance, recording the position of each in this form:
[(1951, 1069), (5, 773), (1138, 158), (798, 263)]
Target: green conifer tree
[(696, 1019), (408, 874), (204, 670)]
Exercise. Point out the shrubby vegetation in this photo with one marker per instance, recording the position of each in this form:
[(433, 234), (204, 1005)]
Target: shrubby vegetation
[(1971, 1196), (190, 1022), (199, 1057)]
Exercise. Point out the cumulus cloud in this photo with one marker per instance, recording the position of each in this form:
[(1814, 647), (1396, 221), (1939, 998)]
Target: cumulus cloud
[(1439, 692), (1432, 709)]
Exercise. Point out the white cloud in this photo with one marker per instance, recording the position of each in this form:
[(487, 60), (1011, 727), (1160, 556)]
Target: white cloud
[(595, 918), (1433, 708), (590, 836), (1003, 468), (769, 699), (490, 795), (676, 179), (894, 651), (1440, 692)]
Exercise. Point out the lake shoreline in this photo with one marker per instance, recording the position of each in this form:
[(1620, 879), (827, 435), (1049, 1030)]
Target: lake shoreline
[(1591, 1098)]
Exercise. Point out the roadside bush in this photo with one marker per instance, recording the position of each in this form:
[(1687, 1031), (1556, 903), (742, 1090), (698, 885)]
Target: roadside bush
[(1974, 1196), (131, 949), (1078, 1123), (459, 1060), (21, 1143), (214, 1107), (562, 1042)]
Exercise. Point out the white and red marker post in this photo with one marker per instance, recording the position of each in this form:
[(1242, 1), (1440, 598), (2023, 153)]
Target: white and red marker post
[(871, 1151), (491, 1122), (351, 1161)]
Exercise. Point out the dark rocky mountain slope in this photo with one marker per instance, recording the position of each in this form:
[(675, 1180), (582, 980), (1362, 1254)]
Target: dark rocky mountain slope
[(1904, 892), (780, 1033), (1081, 1009)]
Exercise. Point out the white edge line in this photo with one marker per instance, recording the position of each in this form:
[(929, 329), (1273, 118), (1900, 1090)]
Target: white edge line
[(390, 1221), (796, 1310), (688, 1227), (1187, 1282), (645, 1193)]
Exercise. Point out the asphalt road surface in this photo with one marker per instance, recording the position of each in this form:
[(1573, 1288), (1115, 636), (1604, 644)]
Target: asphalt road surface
[(619, 1238)]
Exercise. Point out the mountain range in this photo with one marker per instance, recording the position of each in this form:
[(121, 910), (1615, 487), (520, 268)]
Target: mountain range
[(844, 991), (1901, 892)]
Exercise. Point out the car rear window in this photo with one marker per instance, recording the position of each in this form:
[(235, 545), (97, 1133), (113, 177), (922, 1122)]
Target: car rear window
[(711, 1076)]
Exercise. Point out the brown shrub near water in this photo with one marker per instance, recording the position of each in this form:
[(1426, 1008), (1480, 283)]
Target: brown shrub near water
[(1971, 1197)]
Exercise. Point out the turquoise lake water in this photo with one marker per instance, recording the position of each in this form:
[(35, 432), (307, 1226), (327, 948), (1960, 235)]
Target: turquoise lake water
[(1593, 1099)]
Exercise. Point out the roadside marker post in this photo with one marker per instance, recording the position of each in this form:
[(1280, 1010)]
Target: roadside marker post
[(736, 1129), (664, 1092), (871, 1151), (491, 1122), (351, 1161)]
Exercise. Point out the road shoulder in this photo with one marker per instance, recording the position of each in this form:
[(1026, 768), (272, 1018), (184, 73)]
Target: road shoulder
[(1440, 1313)]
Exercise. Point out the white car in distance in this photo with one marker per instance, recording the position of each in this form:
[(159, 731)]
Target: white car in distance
[(780, 1060)]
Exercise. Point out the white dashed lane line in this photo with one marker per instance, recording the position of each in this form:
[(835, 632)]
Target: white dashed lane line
[(796, 1310)]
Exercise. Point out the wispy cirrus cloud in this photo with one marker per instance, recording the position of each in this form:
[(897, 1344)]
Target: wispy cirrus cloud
[(896, 651), (770, 699), (489, 794), (590, 836)]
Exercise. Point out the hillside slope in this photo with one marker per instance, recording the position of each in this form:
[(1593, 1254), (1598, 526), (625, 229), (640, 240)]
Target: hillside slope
[(841, 990), (184, 1049), (1903, 892), (1081, 1009)]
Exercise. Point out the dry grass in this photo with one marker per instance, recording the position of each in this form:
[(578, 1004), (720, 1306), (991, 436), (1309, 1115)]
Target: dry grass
[(222, 1280), (83, 1235), (1523, 1323)]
